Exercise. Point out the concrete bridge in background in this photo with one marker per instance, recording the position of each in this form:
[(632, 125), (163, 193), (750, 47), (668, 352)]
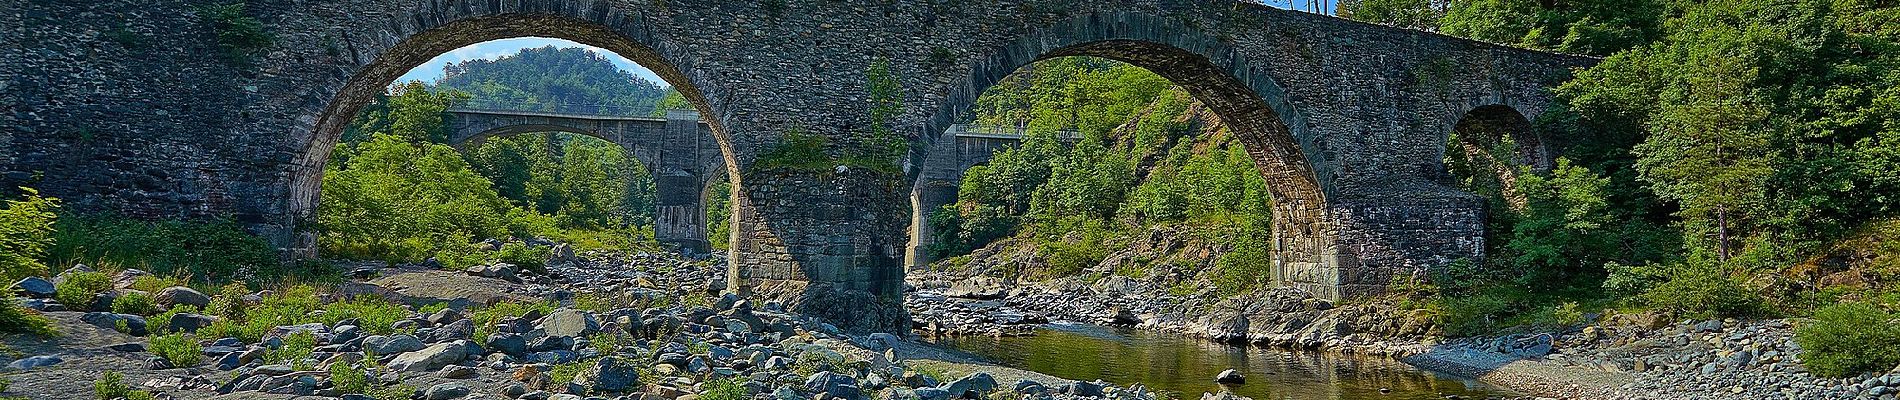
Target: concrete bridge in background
[(1347, 122)]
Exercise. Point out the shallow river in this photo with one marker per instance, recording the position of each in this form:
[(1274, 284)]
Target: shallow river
[(1187, 366)]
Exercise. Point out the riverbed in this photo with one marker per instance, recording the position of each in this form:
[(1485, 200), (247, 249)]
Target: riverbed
[(1187, 366)]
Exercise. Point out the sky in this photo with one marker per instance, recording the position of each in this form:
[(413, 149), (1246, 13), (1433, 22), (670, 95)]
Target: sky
[(432, 70)]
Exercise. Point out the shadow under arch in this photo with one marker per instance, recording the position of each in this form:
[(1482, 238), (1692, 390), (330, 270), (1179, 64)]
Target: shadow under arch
[(1248, 101), (426, 32)]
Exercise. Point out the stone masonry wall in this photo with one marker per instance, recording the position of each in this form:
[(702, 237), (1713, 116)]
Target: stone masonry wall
[(124, 106)]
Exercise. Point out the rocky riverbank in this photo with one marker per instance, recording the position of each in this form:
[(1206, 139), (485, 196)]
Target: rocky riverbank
[(644, 327), (1637, 356)]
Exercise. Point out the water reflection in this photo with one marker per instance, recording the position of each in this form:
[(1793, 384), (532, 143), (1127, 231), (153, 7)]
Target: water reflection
[(1187, 366)]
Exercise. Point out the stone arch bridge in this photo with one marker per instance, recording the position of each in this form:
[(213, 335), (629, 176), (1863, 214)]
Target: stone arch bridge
[(136, 107)]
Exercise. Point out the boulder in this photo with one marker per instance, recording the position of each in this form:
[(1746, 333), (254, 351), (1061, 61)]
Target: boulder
[(463, 329), (456, 372), (609, 375), (507, 343), (134, 325), (446, 391), (1230, 377), (974, 386), (835, 385), (180, 295), (35, 287), (35, 362), (569, 323), (190, 323), (398, 344), (431, 358)]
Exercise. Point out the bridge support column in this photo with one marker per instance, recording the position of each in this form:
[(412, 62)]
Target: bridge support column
[(824, 243), (1361, 243), (929, 195), (679, 178)]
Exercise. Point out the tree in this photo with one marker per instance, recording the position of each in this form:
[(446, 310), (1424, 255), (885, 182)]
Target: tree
[(1409, 14)]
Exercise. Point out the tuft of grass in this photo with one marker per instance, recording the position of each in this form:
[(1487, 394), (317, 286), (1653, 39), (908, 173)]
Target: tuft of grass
[(725, 389), (485, 318), (79, 288), (181, 349), (295, 351), (17, 319), (378, 317), (112, 386), (135, 303), (348, 379)]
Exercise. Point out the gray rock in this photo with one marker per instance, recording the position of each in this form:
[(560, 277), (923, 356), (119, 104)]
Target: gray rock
[(462, 329), (446, 391), (190, 323), (398, 344), (180, 295), (973, 386), (35, 287), (1230, 377), (134, 325), (610, 375), (456, 372), (35, 362), (832, 384), (507, 343), (569, 323), (431, 358)]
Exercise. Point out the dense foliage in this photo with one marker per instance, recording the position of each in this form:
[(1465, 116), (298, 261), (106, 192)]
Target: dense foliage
[(395, 190), (1759, 134), (1112, 149), (26, 231)]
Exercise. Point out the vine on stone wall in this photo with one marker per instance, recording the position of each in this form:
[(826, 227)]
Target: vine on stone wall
[(241, 38)]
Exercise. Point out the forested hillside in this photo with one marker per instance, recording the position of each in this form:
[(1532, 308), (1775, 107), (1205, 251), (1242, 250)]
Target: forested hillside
[(395, 190)]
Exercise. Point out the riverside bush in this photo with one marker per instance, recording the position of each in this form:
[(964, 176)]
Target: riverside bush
[(112, 386), (79, 288), (135, 303), (181, 349), (26, 231), (202, 251), (1846, 339), (17, 319)]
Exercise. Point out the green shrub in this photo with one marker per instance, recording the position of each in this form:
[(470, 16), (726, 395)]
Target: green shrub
[(17, 319), (1849, 338), (348, 379), (377, 317), (162, 322), (181, 349), (526, 257), (1697, 290), (79, 288), (135, 303), (241, 38), (26, 231), (112, 386), (295, 351), (213, 252), (155, 283), (725, 389)]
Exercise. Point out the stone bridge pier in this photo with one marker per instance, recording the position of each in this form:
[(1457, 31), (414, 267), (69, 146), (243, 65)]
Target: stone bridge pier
[(134, 107), (678, 149)]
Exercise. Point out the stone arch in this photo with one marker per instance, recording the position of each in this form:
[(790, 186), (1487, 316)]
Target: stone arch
[(1249, 101), (415, 35), (1488, 125)]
